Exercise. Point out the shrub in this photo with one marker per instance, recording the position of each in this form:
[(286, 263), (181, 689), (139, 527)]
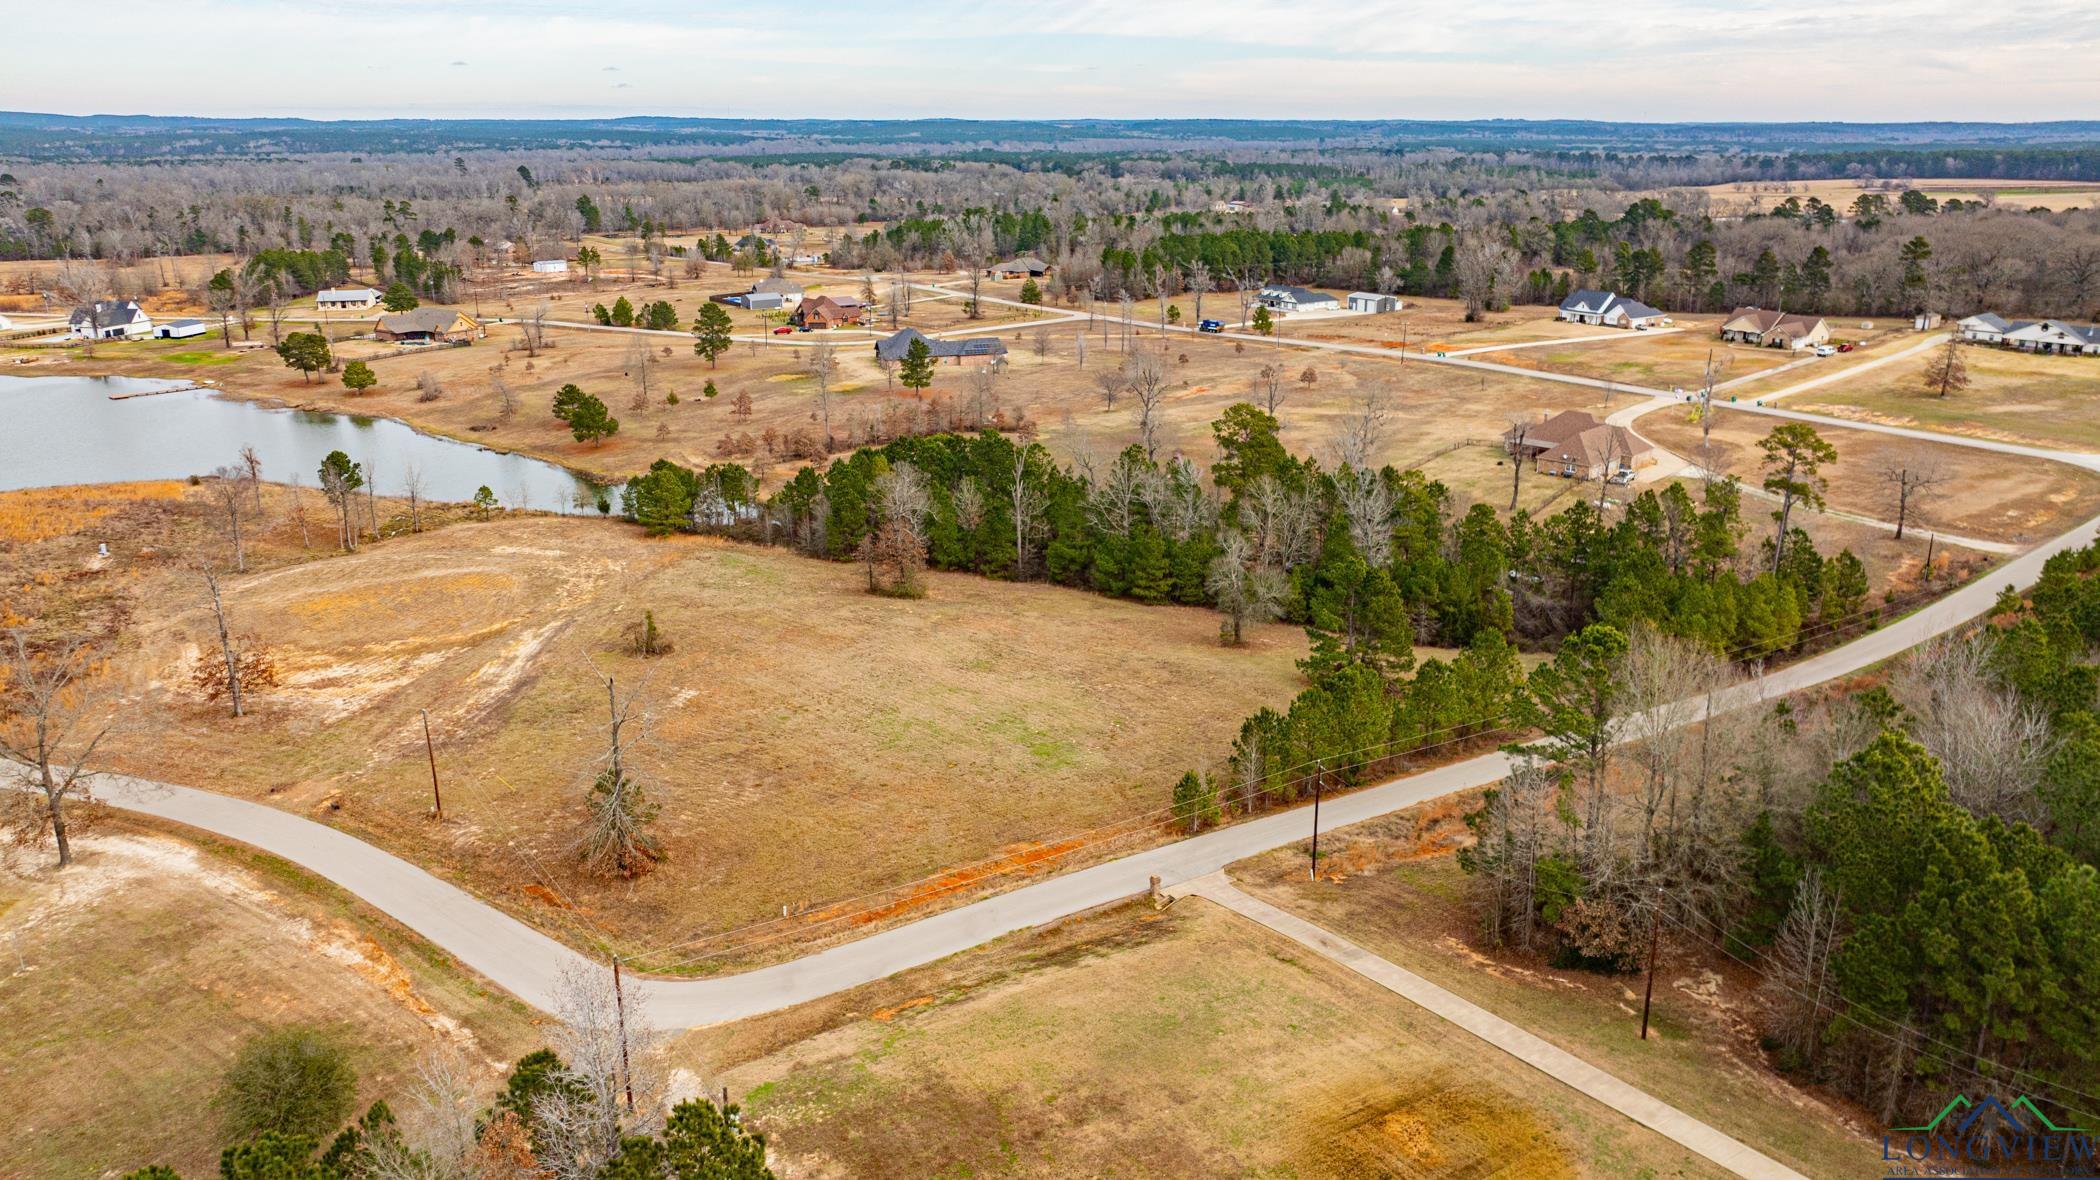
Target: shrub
[(294, 1080)]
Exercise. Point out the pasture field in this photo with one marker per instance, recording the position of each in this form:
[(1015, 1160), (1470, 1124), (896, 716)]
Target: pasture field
[(1132, 1042), (1735, 198), (806, 742)]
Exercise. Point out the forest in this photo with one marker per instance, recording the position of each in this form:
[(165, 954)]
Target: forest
[(1489, 227)]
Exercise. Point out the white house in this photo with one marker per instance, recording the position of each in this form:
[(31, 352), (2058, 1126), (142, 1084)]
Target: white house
[(551, 266), (1372, 301), (180, 329), (2055, 336), (1293, 299), (789, 291), (2050, 336), (346, 299), (111, 319), (1609, 309), (1984, 328)]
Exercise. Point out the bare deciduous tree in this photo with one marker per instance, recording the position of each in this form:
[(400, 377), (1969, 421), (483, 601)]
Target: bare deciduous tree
[(1992, 746), (613, 1082), (1246, 591), (228, 486), (1800, 985), (1366, 500), (823, 365), (1146, 377), (1269, 389), (1362, 433), (1909, 480), (52, 719)]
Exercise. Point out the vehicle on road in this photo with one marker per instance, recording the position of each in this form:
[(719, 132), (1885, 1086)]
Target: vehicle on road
[(1826, 350), (1210, 325)]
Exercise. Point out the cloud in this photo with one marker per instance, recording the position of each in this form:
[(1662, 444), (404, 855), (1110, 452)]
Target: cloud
[(459, 63)]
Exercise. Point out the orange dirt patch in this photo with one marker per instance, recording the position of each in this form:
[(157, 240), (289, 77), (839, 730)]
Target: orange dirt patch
[(891, 1012)]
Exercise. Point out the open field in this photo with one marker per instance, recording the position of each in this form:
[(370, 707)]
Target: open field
[(133, 977), (1134, 1043), (1394, 889), (2013, 396), (1739, 197), (807, 742), (1987, 496)]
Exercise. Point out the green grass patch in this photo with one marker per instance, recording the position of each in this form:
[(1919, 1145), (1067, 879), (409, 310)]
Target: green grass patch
[(203, 358)]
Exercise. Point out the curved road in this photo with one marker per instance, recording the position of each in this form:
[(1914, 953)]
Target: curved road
[(527, 963)]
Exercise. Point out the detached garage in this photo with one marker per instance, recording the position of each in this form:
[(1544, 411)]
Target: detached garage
[(180, 329), (1373, 302)]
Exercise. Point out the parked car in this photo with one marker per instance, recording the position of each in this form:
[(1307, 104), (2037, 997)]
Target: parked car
[(1623, 476), (1847, 347), (1210, 325), (783, 330), (1825, 350)]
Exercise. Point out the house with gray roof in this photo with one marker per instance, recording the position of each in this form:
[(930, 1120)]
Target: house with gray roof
[(1290, 299), (1985, 328), (982, 349), (1027, 266), (110, 319), (1609, 309), (2056, 337)]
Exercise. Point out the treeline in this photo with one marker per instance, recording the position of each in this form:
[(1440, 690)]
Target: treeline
[(1910, 869)]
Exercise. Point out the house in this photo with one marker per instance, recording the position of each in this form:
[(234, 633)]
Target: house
[(1575, 444), (1984, 328), (551, 266), (789, 291), (1290, 299), (111, 319), (1372, 301), (180, 329), (1775, 329), (441, 325), (2054, 336), (1027, 266), (1609, 309), (346, 299), (969, 350), (823, 311)]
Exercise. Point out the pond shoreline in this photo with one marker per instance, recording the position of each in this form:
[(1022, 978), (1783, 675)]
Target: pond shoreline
[(123, 428)]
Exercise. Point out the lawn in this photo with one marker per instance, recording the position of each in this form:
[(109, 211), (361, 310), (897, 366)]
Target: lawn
[(1129, 1043), (2049, 401), (1400, 894), (133, 978)]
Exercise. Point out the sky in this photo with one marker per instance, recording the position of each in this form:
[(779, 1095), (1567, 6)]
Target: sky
[(1656, 61)]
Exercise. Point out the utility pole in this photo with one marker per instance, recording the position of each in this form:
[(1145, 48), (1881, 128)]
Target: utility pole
[(437, 801), (1654, 948), (1312, 871), (620, 1007)]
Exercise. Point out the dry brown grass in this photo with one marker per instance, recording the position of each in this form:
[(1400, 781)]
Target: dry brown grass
[(142, 969), (1399, 893), (2051, 401), (1132, 1043), (808, 742), (1990, 497)]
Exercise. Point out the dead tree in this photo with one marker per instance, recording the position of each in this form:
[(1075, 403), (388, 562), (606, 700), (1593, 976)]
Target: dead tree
[(1513, 445), (226, 487), (1909, 480), (616, 840), (251, 463), (233, 664), (52, 719)]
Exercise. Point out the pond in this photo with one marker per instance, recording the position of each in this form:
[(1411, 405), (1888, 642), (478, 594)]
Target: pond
[(68, 430)]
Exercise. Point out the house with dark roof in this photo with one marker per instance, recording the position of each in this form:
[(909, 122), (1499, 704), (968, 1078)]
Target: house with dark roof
[(967, 350), (1027, 266), (1575, 444), (825, 311), (1290, 299), (438, 325), (110, 319), (1775, 329), (1609, 309)]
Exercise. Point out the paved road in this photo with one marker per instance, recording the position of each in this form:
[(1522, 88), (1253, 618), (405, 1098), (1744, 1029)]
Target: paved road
[(527, 962), (1547, 1058)]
